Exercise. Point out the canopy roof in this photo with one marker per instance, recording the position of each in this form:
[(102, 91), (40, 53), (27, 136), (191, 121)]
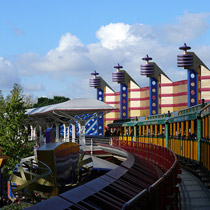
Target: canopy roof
[(76, 109)]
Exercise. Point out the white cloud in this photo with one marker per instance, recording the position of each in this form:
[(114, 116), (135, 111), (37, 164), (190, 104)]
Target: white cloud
[(67, 68), (68, 43), (8, 75), (33, 87), (117, 35), (187, 27)]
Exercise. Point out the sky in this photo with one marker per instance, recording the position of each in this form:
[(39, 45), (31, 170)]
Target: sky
[(51, 47)]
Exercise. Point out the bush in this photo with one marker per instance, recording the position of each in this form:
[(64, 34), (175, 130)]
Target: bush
[(16, 206)]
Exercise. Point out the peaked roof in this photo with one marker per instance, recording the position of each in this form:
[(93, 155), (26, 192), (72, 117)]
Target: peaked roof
[(78, 107)]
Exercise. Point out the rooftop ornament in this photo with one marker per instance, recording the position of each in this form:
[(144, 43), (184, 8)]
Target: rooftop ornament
[(95, 82), (95, 74), (186, 59), (118, 67), (147, 69), (185, 48), (118, 76)]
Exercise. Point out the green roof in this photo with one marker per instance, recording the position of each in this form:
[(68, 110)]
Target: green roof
[(206, 110), (157, 121), (190, 110), (184, 117), (128, 124)]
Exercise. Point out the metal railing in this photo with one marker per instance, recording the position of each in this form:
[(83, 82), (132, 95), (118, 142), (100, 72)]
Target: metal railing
[(164, 192)]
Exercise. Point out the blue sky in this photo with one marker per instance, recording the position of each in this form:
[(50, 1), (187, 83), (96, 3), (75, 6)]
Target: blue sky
[(51, 47)]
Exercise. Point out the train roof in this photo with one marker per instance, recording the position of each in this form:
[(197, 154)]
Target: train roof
[(185, 117), (157, 121), (206, 110)]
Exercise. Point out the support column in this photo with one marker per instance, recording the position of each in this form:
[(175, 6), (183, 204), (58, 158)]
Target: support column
[(33, 132), (82, 133), (57, 132), (73, 132), (67, 126), (41, 141), (64, 132)]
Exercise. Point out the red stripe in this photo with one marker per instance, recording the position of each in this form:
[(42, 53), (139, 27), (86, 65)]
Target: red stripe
[(173, 94), (112, 102), (139, 108), (139, 89), (204, 77), (139, 99), (182, 82), (112, 94), (173, 105), (110, 119), (204, 89)]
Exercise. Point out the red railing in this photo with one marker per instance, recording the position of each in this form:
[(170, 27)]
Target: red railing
[(164, 192)]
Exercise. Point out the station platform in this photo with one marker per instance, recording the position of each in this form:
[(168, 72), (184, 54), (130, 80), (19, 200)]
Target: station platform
[(194, 194)]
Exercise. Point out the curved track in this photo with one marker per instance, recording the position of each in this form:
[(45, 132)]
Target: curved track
[(132, 184)]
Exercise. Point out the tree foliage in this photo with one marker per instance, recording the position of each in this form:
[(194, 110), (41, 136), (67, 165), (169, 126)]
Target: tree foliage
[(14, 138), (43, 101)]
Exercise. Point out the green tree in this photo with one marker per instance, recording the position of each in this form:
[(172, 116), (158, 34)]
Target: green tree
[(2, 113), (44, 101), (14, 140)]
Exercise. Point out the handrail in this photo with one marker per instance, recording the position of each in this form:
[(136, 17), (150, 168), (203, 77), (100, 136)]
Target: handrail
[(135, 199)]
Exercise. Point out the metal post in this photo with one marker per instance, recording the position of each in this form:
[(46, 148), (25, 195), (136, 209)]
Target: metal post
[(199, 138), (166, 134), (91, 147), (73, 132), (64, 132), (57, 132)]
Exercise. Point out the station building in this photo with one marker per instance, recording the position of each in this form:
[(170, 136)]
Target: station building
[(162, 94)]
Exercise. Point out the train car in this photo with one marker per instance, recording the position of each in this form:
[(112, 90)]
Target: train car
[(185, 132), (205, 134)]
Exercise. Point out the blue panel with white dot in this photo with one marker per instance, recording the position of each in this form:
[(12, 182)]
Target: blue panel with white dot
[(100, 126), (192, 88), (153, 96), (123, 101)]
